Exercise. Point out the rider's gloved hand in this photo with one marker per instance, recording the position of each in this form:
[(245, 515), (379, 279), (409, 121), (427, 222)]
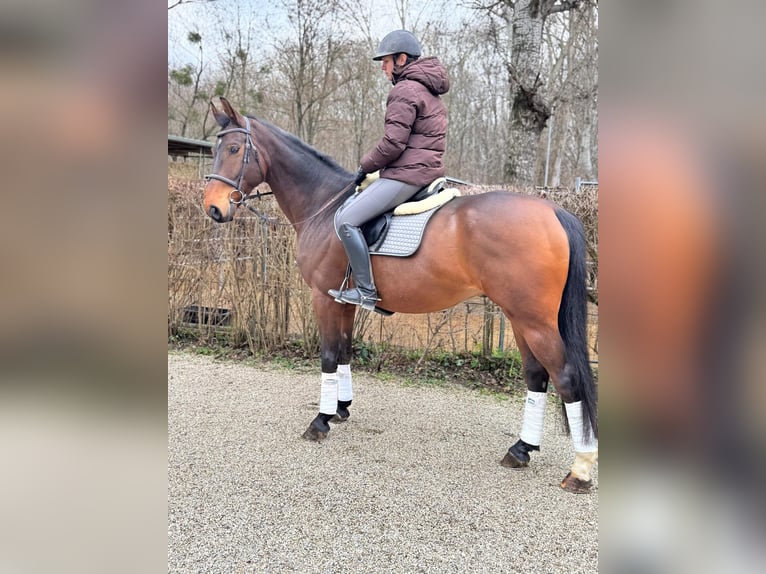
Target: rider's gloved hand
[(360, 175)]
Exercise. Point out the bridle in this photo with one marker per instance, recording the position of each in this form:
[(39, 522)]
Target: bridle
[(237, 185)]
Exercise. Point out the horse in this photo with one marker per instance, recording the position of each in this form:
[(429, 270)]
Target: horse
[(524, 253)]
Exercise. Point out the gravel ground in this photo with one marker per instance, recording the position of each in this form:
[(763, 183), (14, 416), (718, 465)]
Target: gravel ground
[(411, 483)]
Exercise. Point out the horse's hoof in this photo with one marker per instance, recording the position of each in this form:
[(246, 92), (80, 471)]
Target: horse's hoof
[(575, 485), (341, 415), (510, 460), (314, 434), (317, 430), (518, 455)]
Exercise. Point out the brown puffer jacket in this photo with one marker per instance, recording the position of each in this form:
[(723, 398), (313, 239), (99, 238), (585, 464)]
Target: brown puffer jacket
[(413, 142)]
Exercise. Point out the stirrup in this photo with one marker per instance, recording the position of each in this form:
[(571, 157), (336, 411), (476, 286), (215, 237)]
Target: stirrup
[(355, 297), (337, 294), (368, 303)]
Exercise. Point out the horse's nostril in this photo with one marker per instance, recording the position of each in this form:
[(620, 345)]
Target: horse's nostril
[(215, 213)]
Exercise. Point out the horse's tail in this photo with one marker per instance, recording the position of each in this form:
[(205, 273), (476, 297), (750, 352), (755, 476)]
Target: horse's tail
[(573, 322)]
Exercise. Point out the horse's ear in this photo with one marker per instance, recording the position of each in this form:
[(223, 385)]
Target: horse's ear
[(233, 114), (220, 118)]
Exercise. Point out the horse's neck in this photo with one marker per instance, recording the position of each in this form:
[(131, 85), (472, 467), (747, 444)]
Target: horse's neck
[(302, 182)]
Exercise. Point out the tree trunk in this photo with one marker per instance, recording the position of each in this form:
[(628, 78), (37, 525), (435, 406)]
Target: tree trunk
[(529, 110), (584, 159), (583, 28), (560, 125)]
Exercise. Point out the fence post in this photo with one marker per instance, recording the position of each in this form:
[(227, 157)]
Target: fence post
[(501, 341), (488, 329), (548, 151)]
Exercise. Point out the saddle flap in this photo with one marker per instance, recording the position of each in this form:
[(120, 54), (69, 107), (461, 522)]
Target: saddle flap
[(375, 230)]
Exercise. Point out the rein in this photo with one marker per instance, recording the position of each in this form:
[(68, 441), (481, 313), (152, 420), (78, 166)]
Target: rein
[(273, 221)]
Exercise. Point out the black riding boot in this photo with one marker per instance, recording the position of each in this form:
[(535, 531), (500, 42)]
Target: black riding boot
[(364, 292)]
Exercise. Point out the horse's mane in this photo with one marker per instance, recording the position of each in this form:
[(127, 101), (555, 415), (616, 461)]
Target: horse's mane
[(295, 142)]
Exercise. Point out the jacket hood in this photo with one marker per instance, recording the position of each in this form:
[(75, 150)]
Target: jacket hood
[(428, 71)]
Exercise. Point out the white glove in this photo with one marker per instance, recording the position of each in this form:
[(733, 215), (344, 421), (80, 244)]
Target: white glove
[(367, 181)]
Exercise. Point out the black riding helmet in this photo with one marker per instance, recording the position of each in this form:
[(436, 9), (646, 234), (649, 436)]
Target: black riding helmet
[(398, 42)]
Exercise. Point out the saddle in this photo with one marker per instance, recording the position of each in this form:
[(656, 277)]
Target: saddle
[(427, 198), (398, 232)]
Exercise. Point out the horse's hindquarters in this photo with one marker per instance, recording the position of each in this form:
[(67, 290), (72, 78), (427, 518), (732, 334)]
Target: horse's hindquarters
[(509, 247)]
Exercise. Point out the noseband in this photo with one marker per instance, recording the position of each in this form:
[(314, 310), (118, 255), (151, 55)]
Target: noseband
[(237, 185)]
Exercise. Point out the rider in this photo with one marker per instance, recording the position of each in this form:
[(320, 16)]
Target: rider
[(409, 155)]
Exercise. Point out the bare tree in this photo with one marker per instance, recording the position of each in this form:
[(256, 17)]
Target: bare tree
[(309, 61), (585, 30), (530, 109), (177, 3), (184, 87), (572, 90), (511, 65)]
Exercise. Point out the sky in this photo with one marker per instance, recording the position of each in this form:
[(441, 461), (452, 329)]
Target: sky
[(271, 16)]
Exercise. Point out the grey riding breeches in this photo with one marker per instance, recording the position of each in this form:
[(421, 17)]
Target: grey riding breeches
[(382, 195)]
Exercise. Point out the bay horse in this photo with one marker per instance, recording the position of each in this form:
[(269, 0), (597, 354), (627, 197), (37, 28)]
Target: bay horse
[(524, 253)]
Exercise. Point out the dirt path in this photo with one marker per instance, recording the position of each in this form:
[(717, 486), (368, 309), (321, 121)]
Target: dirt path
[(412, 483)]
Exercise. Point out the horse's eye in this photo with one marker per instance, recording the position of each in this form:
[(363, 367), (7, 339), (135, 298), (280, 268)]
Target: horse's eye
[(234, 149)]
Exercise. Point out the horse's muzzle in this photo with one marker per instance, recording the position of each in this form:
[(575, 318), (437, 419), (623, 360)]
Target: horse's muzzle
[(215, 214)]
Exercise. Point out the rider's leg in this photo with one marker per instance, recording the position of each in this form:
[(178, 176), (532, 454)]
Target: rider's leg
[(381, 196), (364, 292)]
